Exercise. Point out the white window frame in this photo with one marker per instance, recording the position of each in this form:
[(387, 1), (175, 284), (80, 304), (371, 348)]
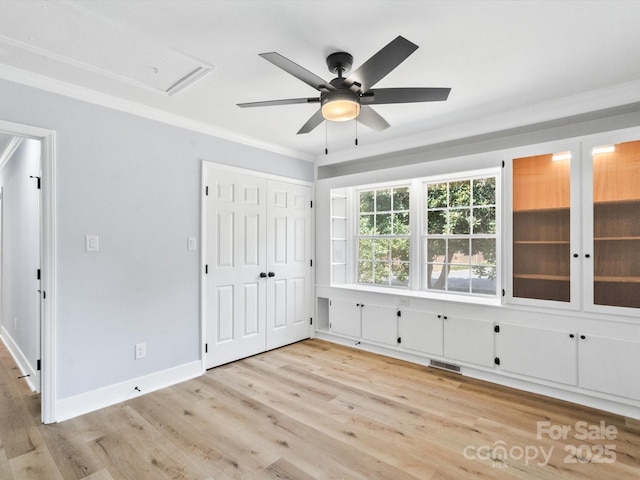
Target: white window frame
[(417, 254)]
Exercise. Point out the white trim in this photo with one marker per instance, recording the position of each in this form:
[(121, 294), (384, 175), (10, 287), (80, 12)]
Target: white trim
[(41, 82), (255, 173), (48, 262), (103, 397), (26, 369)]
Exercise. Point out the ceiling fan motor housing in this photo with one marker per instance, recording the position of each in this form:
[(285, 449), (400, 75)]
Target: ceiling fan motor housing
[(339, 62)]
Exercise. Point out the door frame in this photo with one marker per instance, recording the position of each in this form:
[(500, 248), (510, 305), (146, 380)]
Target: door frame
[(203, 252), (47, 139)]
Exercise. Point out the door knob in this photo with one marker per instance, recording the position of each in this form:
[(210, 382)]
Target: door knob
[(263, 274), (271, 274)]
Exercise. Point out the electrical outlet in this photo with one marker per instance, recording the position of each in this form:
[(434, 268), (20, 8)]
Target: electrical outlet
[(141, 350), (192, 244), (404, 301)]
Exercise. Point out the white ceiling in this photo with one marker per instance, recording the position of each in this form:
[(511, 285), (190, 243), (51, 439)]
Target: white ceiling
[(508, 63)]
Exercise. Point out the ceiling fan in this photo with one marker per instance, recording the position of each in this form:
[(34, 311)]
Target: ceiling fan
[(344, 99)]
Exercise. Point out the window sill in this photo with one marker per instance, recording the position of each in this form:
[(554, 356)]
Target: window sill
[(402, 292)]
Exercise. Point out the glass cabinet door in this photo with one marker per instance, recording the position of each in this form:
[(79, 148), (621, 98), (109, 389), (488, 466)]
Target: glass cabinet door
[(616, 224), (541, 225)]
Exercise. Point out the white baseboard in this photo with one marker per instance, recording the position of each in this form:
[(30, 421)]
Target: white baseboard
[(77, 405), (21, 360)]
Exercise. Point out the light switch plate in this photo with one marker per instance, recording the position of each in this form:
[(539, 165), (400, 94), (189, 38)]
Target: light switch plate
[(92, 243)]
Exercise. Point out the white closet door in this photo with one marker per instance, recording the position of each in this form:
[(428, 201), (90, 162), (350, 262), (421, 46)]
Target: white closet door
[(288, 263), (235, 256)]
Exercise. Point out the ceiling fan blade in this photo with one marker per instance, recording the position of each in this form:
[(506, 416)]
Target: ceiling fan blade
[(289, 101), (372, 119), (378, 66), (297, 71), (315, 120), (381, 96)]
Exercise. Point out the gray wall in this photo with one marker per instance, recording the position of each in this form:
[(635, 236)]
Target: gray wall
[(136, 184), (21, 250)]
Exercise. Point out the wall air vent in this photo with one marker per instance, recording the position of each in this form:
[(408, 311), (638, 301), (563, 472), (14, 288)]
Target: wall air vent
[(187, 80), (445, 366)]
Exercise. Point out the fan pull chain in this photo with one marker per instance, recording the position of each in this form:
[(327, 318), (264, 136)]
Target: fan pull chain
[(356, 131), (326, 136)]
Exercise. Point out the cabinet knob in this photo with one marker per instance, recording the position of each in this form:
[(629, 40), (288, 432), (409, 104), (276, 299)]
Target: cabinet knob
[(439, 316), (582, 337), (586, 255), (571, 335), (575, 255), (445, 317)]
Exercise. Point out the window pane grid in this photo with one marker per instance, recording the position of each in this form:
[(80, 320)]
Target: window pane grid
[(383, 237), (460, 236)]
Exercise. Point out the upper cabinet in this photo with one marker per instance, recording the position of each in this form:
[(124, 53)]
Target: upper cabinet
[(613, 223), (574, 212)]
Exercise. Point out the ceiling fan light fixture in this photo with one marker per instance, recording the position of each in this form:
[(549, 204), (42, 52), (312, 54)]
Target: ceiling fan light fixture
[(340, 106)]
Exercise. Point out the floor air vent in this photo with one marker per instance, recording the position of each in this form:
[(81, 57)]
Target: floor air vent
[(445, 366)]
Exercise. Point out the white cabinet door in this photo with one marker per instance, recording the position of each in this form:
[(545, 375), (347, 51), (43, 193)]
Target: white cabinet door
[(236, 255), (380, 324), (288, 256), (344, 318), (610, 366), (421, 331), (538, 352), (469, 340)]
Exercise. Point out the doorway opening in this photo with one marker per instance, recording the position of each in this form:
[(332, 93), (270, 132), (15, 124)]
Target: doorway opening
[(27, 263)]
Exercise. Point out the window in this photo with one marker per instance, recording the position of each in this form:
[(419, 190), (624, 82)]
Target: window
[(383, 241), (460, 236), (437, 235)]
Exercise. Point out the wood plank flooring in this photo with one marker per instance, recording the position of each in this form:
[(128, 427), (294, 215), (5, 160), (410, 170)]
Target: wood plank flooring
[(315, 410)]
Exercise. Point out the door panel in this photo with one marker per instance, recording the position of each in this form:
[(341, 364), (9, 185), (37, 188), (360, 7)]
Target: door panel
[(344, 318), (421, 331), (288, 257), (469, 340), (235, 255)]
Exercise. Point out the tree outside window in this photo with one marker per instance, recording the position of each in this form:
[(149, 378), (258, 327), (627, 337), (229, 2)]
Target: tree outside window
[(383, 236), (460, 236)]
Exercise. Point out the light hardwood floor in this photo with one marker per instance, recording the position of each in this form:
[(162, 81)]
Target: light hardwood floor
[(316, 410)]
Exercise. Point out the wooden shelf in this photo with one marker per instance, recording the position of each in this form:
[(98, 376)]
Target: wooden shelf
[(528, 211), (610, 279), (613, 239), (532, 276), (541, 242)]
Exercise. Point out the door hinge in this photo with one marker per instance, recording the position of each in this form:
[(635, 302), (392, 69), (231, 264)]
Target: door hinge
[(496, 329), (503, 292), (311, 203), (496, 360), (206, 191), (44, 295), (38, 275), (399, 339), (399, 313), (311, 263), (206, 269), (37, 178), (310, 320), (39, 365), (206, 348), (502, 163)]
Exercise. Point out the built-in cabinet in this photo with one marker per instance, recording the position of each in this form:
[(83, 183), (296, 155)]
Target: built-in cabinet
[(573, 358), (568, 323), (456, 338), (576, 222)]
